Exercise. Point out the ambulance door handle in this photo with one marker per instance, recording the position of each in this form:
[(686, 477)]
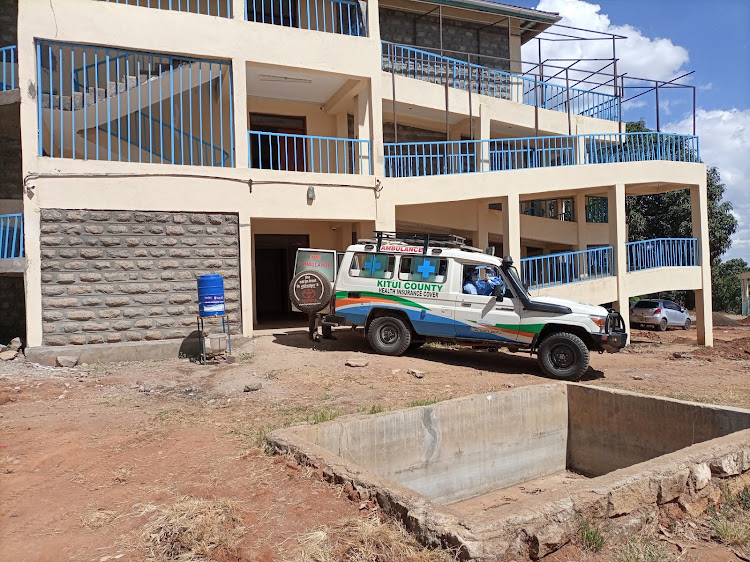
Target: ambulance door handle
[(465, 304), (444, 310)]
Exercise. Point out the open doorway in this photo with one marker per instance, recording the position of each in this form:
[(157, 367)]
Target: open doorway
[(276, 142), (274, 268)]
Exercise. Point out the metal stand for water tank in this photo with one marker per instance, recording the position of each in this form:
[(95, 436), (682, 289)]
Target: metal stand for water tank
[(225, 329)]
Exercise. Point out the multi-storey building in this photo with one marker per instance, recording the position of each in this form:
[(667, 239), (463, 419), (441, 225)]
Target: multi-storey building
[(146, 142)]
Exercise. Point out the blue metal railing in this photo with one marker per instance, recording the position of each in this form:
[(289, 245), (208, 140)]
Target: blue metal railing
[(662, 252), (332, 16), (639, 147), (9, 58), (191, 150), (11, 236), (424, 65), (220, 8), (460, 157), (98, 103), (567, 267), (306, 153)]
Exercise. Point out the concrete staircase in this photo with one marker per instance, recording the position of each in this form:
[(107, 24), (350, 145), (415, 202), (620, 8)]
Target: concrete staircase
[(99, 109)]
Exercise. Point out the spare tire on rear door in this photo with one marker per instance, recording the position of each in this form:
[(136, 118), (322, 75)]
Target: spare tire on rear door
[(310, 291)]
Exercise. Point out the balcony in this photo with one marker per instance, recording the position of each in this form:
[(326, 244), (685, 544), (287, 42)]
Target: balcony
[(307, 153), (343, 17), (662, 252), (9, 73), (99, 103), (420, 64), (463, 157), (219, 8), (567, 267)]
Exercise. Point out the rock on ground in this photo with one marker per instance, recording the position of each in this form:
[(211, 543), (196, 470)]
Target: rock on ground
[(66, 361), (8, 355)]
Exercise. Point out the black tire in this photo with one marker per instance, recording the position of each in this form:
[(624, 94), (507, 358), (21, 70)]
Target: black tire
[(389, 335), (663, 325), (318, 287), (563, 355), (687, 324), (327, 332)]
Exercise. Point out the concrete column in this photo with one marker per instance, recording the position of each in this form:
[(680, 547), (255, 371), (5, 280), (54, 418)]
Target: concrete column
[(373, 20), (580, 213), (484, 134), (512, 227), (246, 271), (618, 238), (238, 9), (703, 313), (386, 215), (482, 235), (27, 15), (239, 99), (369, 119)]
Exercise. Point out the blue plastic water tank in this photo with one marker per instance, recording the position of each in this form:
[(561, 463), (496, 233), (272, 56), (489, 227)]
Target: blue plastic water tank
[(211, 295)]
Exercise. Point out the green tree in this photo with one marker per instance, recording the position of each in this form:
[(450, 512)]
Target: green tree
[(725, 286)]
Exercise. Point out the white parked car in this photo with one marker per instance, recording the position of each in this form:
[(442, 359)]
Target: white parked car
[(406, 289)]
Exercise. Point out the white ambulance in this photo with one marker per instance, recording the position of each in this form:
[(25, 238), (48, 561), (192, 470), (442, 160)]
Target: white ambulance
[(407, 288)]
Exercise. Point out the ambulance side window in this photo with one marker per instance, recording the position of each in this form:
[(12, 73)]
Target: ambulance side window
[(372, 266), (423, 268)]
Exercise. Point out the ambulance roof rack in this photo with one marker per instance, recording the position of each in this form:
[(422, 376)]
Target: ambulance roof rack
[(425, 239)]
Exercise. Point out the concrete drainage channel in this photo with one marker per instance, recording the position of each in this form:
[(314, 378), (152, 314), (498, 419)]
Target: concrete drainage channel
[(513, 473)]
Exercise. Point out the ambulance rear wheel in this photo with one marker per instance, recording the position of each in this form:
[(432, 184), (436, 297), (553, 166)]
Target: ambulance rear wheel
[(389, 335)]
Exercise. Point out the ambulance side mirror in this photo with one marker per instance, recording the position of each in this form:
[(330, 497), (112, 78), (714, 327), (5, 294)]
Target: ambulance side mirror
[(497, 292)]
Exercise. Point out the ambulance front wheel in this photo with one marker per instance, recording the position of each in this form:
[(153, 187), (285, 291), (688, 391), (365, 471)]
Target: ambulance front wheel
[(389, 335)]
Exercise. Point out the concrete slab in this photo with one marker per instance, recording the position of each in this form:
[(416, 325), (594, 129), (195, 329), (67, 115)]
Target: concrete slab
[(117, 352), (12, 266), (10, 96), (502, 476)]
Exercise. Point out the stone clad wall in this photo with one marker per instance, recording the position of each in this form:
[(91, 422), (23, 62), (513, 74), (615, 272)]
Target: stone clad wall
[(424, 31), (119, 276)]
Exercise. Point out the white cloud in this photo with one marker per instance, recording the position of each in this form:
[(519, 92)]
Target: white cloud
[(725, 143), (639, 56)]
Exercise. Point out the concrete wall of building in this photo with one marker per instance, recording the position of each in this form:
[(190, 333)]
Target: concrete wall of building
[(612, 430), (116, 276), (458, 449)]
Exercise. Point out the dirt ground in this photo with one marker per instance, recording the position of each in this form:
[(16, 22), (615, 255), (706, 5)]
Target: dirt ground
[(89, 455)]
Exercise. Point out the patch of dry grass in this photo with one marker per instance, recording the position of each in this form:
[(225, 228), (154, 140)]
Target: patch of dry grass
[(193, 529), (95, 520), (365, 540)]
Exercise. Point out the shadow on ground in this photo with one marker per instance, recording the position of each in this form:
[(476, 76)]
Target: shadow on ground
[(480, 359)]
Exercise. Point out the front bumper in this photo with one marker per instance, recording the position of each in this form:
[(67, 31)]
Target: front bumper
[(614, 337)]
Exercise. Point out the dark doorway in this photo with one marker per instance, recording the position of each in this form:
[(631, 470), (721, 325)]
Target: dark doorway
[(274, 268), (276, 142)]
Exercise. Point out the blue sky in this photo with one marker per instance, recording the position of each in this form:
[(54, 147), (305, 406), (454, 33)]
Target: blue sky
[(667, 38)]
